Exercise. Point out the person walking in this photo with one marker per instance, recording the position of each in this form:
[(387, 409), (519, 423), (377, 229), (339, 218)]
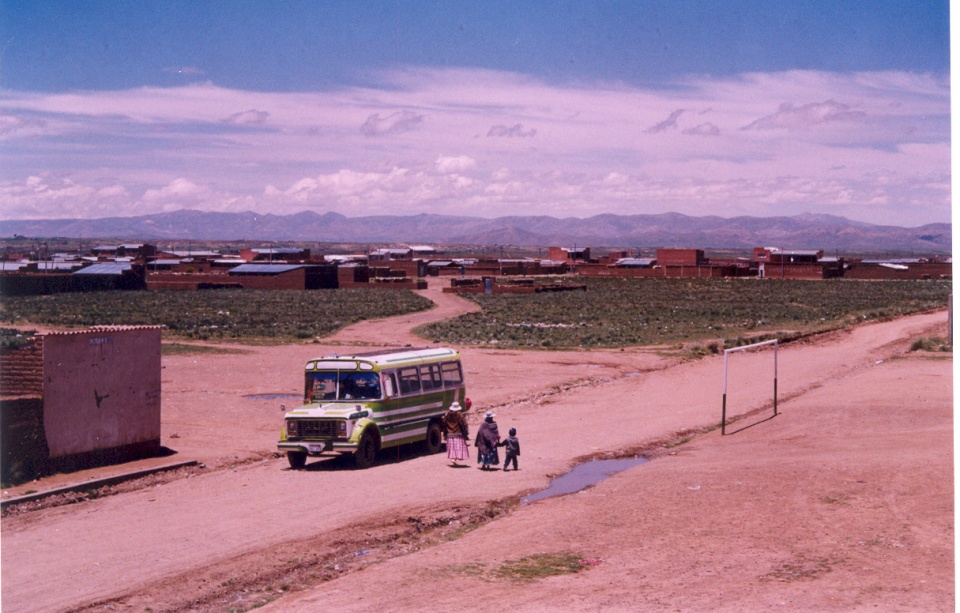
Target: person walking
[(456, 433), (488, 437), (511, 445)]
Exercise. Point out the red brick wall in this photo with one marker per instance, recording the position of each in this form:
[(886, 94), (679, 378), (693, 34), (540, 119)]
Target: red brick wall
[(21, 370), (669, 272), (680, 257), (793, 271), (294, 279), (914, 271)]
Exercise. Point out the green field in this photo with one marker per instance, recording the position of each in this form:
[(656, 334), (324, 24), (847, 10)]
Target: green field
[(624, 312), (610, 313), (216, 314)]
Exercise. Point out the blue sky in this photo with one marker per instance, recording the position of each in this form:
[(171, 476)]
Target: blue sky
[(567, 109)]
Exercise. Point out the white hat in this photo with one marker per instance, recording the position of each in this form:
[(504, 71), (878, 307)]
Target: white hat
[(489, 415), (456, 406)]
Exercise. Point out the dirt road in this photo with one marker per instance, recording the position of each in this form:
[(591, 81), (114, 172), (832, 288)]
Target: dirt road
[(860, 452)]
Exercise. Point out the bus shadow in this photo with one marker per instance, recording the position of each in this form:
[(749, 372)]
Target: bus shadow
[(385, 457)]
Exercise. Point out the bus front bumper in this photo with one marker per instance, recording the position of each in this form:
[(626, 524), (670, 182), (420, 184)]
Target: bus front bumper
[(315, 448)]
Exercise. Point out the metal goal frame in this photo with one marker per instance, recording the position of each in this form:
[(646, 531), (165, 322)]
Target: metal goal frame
[(726, 354)]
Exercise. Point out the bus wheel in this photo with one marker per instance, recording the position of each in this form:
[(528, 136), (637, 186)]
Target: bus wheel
[(297, 459), (366, 454), (434, 438)]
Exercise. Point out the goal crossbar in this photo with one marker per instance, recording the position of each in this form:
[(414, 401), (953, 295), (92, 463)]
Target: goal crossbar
[(726, 354)]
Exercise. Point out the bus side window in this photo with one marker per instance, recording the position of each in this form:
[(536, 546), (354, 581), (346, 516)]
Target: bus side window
[(430, 376), (452, 374), (409, 380)]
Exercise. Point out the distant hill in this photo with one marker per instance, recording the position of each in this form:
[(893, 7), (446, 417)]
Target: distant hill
[(806, 231)]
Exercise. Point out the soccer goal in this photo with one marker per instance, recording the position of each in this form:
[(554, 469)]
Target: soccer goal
[(726, 355)]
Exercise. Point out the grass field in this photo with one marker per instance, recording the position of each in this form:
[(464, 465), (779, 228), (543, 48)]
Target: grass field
[(610, 313), (624, 312), (216, 314)]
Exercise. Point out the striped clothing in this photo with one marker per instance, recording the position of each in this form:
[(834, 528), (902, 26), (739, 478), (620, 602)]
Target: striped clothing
[(457, 448)]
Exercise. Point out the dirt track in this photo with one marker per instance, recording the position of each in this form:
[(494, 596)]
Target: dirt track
[(842, 502)]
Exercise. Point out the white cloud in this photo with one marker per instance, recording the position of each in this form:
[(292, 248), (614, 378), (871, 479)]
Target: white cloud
[(448, 164), (792, 117), (394, 123), (179, 188), (251, 117), (768, 144), (514, 131), (703, 129), (667, 124)]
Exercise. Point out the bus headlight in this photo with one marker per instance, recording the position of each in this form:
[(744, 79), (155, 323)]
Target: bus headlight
[(291, 427)]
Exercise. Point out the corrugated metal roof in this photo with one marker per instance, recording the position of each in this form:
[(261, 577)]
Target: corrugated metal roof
[(58, 265), (194, 253), (263, 269), (104, 269), (283, 250), (98, 330), (637, 262)]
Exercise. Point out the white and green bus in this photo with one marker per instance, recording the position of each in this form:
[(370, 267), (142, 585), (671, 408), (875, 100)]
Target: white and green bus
[(366, 402)]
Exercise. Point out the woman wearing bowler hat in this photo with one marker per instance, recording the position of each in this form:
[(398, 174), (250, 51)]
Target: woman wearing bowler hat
[(488, 436), (456, 433)]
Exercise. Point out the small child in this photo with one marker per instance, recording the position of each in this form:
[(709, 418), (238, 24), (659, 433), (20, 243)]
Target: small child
[(512, 445)]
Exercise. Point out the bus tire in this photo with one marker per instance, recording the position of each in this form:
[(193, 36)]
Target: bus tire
[(366, 454), (434, 441), (297, 459)]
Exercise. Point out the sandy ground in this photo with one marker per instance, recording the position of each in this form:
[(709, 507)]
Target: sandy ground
[(843, 501)]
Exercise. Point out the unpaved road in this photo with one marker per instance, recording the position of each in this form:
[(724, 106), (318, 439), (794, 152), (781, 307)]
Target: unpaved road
[(842, 502)]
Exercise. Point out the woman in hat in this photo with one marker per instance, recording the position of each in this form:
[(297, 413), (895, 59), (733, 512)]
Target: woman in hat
[(488, 436), (456, 433)]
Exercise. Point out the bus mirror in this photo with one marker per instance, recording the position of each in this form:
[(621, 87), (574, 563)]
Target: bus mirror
[(283, 408)]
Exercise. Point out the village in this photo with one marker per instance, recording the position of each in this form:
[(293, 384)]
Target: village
[(139, 266)]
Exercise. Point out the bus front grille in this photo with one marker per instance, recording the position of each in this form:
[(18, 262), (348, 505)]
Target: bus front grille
[(316, 429)]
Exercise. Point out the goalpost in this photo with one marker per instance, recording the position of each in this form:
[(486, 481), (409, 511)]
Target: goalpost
[(726, 354)]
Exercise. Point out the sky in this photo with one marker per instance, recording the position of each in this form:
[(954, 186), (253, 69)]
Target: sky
[(476, 108)]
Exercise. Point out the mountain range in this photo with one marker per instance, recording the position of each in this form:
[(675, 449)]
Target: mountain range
[(804, 231)]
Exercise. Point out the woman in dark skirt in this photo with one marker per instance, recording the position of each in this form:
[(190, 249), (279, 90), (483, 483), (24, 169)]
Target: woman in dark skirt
[(488, 436)]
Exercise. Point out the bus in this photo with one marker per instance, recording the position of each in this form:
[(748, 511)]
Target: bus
[(361, 403)]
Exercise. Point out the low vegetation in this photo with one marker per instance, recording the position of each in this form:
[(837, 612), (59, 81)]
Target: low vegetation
[(216, 314), (624, 312), (11, 338), (935, 344), (708, 315), (526, 569)]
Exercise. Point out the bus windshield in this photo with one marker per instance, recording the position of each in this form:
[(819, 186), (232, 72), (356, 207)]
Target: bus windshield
[(342, 385)]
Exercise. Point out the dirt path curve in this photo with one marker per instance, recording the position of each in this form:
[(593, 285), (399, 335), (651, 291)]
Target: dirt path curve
[(565, 405), (397, 331)]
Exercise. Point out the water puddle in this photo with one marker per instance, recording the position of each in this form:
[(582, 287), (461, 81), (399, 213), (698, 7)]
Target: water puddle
[(271, 396), (583, 476)]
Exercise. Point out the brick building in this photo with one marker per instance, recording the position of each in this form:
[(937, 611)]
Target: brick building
[(76, 399)]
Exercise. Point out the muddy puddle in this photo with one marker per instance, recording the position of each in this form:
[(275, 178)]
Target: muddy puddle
[(583, 476)]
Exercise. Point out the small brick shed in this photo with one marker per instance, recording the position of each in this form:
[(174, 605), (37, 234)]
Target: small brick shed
[(75, 399)]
